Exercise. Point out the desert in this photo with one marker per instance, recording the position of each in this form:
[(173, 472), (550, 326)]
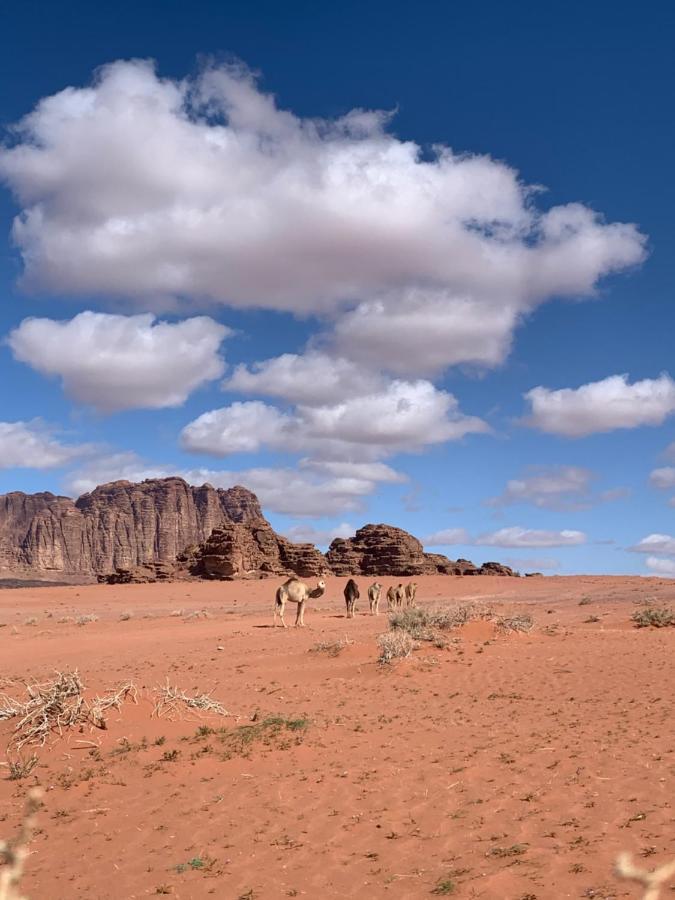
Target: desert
[(500, 764)]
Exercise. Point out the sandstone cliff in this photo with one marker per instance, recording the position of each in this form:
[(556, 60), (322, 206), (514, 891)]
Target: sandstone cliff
[(117, 526)]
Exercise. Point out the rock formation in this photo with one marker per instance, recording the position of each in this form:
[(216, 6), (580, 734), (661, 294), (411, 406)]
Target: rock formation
[(240, 551), (164, 528), (118, 526), (384, 550)]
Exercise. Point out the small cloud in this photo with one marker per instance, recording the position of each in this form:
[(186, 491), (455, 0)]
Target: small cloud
[(447, 538), (516, 536), (34, 445), (661, 566), (306, 534), (663, 479), (655, 543), (601, 406), (533, 564)]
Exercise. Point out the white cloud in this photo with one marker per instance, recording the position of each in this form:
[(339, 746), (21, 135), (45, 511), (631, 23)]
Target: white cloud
[(447, 538), (33, 445), (533, 564), (663, 479), (656, 543), (114, 362), (280, 490), (424, 331), (548, 487), (404, 416), (160, 190), (306, 534), (602, 405), (661, 566), (312, 379), (239, 428), (516, 536), (555, 487), (370, 471)]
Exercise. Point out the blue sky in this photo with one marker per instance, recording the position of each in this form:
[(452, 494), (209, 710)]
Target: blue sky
[(351, 307)]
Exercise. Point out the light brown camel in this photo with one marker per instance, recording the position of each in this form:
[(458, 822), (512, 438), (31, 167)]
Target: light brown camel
[(296, 591), (351, 596), (400, 595), (391, 598), (374, 592), (410, 593)]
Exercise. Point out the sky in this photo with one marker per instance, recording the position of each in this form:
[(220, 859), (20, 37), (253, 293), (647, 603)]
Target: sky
[(382, 262)]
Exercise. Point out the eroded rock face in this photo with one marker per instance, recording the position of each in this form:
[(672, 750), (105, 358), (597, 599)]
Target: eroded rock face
[(120, 525), (241, 551), (384, 550)]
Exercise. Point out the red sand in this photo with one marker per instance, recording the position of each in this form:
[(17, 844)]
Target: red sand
[(516, 766)]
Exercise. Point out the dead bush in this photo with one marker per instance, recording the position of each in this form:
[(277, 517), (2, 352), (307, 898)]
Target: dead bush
[(654, 617), (395, 645)]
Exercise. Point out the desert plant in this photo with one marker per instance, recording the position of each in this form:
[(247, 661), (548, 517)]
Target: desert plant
[(85, 620), (331, 648), (656, 617), (395, 645), (21, 768), (518, 622)]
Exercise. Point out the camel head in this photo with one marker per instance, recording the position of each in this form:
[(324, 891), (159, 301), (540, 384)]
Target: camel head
[(318, 591)]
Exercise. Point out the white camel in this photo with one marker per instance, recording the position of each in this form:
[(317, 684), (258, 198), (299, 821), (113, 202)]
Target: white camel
[(296, 591), (374, 592)]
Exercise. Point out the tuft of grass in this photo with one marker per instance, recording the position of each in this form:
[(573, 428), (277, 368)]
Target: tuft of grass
[(330, 648), (86, 620), (505, 852), (31, 621), (444, 887), (654, 617), (125, 616), (21, 768)]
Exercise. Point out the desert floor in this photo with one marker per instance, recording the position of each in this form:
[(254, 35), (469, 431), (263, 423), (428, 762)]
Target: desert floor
[(503, 766)]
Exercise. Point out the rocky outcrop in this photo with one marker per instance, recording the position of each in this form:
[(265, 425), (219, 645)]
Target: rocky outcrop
[(239, 551), (495, 568), (118, 526), (384, 550)]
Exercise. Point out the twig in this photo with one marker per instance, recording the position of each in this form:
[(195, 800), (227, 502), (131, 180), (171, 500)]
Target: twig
[(15, 853), (652, 881)]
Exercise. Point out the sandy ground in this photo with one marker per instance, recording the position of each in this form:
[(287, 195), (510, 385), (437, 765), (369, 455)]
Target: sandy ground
[(503, 766)]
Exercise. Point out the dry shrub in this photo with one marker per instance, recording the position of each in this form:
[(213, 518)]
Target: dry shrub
[(653, 616), (518, 622), (13, 854), (57, 705), (85, 620), (395, 645), (171, 701), (331, 648)]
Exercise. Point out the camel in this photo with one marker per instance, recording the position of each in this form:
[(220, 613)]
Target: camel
[(391, 598), (374, 592), (351, 596), (400, 594), (410, 592), (296, 591)]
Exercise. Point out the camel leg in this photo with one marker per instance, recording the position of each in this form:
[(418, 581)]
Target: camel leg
[(281, 608), (300, 617), (377, 607)]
